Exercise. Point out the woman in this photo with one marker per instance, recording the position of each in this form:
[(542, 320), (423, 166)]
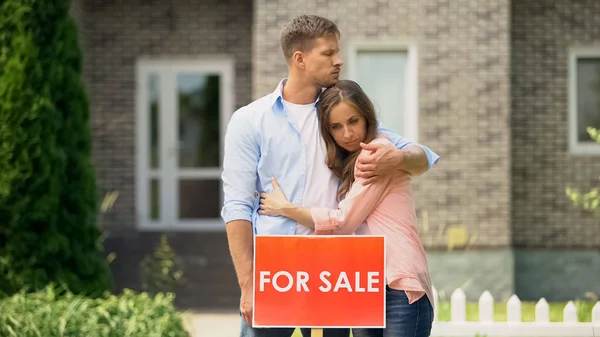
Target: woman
[(385, 207)]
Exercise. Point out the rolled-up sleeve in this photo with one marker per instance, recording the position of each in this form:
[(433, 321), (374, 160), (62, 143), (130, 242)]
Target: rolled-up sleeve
[(240, 161), (399, 142)]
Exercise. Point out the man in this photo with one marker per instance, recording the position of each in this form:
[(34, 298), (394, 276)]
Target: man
[(278, 136)]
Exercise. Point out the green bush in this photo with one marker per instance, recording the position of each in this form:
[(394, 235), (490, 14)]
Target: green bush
[(161, 272), (48, 203), (44, 314)]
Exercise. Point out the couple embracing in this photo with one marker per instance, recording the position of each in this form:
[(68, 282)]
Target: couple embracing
[(323, 164)]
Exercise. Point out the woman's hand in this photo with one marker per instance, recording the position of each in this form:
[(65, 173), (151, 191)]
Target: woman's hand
[(274, 203)]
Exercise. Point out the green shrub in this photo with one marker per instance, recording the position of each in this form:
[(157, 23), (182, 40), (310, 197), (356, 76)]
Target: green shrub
[(48, 203), (44, 314), (161, 271)]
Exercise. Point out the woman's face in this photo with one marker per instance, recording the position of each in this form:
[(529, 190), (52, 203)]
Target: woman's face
[(347, 126)]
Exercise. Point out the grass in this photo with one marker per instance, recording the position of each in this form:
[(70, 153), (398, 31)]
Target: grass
[(584, 312)]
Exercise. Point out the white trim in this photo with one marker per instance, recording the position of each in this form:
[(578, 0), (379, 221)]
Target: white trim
[(168, 148), (141, 153), (153, 174), (206, 173), (168, 172), (576, 147), (411, 102)]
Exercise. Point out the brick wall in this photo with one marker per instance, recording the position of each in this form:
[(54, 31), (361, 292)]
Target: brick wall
[(116, 34), (119, 32), (542, 216), (76, 13), (464, 102)]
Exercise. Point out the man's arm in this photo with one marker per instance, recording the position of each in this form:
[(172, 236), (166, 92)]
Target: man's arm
[(417, 158), (411, 159), (403, 156), (239, 236), (240, 160)]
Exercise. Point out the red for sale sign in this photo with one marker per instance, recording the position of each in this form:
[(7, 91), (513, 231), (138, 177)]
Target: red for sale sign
[(319, 281)]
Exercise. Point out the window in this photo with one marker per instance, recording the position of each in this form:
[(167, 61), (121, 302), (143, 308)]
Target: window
[(387, 72), (584, 99), (183, 108)]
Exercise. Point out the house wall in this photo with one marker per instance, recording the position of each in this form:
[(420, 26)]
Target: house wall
[(121, 32), (463, 50), (501, 175), (557, 245), (118, 34), (77, 14)]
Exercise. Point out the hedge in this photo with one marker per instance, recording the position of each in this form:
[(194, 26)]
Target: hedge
[(48, 314)]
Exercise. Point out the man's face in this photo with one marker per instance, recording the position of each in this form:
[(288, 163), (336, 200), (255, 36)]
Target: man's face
[(323, 63)]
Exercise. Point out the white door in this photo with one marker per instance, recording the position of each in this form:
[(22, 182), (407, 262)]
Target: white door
[(183, 109)]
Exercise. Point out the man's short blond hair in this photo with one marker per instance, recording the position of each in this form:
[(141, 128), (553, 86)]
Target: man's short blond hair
[(300, 33)]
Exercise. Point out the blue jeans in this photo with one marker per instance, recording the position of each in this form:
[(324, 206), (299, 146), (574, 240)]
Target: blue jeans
[(402, 319), (247, 331)]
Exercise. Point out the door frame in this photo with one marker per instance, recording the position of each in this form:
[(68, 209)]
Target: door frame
[(168, 172), (575, 146), (411, 81)]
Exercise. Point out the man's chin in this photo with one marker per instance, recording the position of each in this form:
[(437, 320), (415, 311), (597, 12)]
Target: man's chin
[(329, 83)]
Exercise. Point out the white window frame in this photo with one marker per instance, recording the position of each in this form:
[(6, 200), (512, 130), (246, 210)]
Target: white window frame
[(411, 102), (168, 170), (576, 147)]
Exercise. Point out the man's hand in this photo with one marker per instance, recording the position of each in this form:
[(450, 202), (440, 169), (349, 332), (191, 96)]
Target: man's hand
[(246, 302), (382, 162), (385, 160)]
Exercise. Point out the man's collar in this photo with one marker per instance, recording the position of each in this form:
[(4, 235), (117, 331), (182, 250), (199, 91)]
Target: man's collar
[(277, 99)]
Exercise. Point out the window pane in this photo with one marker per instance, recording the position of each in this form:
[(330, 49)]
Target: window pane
[(154, 106), (381, 74), (198, 96), (199, 199), (588, 96), (154, 199)]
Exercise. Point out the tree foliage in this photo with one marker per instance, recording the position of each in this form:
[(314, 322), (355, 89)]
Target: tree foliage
[(48, 201)]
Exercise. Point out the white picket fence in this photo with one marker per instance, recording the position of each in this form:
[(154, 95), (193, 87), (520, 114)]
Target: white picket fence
[(514, 327)]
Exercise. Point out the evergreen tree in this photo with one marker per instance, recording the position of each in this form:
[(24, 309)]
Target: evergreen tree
[(48, 202)]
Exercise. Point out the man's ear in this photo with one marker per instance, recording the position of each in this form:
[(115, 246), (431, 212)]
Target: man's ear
[(298, 59)]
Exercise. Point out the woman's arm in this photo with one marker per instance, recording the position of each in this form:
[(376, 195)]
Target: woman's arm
[(360, 201), (299, 214), (276, 204)]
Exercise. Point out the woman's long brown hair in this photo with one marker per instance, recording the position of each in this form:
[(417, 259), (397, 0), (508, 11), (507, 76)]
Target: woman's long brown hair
[(340, 161)]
